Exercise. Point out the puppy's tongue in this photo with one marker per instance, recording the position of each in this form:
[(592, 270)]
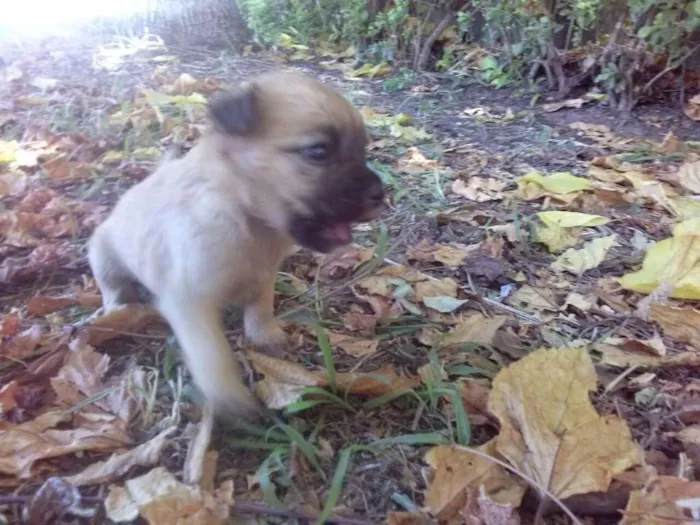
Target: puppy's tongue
[(341, 231)]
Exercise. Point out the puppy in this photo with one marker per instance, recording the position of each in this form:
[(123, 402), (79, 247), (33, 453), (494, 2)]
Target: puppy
[(281, 163)]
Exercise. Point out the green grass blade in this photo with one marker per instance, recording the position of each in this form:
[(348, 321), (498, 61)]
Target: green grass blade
[(325, 345), (464, 429), (429, 438), (336, 484), (305, 447)]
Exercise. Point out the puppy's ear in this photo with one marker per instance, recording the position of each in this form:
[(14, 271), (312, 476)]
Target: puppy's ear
[(234, 113)]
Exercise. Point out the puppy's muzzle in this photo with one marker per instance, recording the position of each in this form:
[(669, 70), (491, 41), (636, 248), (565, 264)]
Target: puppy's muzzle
[(353, 195)]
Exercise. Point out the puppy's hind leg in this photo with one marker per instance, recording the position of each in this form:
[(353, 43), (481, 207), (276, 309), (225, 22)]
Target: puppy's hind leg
[(199, 331), (115, 283)]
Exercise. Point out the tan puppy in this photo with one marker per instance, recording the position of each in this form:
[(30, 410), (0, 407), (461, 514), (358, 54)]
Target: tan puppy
[(282, 162)]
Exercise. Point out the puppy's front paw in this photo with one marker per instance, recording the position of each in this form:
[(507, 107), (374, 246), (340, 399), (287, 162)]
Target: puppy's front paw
[(270, 341)]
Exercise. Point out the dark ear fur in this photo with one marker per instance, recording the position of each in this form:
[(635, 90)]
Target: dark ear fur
[(234, 113)]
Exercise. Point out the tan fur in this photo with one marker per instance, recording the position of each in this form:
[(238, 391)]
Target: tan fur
[(211, 227)]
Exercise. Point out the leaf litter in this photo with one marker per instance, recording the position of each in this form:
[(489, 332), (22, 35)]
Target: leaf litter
[(580, 271)]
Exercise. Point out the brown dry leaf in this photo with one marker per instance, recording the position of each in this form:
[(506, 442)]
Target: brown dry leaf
[(119, 463), (447, 254), (55, 501), (575, 103), (692, 107), (22, 345), (671, 144), (662, 502), (130, 318), (373, 384), (23, 445), (198, 469), (44, 304), (551, 431), (475, 328), (339, 263), (616, 356), (480, 190), (436, 288), (689, 176), (283, 381), (360, 322), (408, 518), (457, 470), (683, 324), (8, 399), (482, 510), (160, 499), (81, 374), (540, 301), (653, 346), (352, 345), (13, 183), (61, 169)]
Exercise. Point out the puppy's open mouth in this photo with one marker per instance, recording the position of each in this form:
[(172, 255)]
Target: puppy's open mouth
[(338, 232)]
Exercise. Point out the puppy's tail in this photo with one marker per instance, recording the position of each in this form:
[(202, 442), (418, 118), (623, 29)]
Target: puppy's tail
[(199, 331)]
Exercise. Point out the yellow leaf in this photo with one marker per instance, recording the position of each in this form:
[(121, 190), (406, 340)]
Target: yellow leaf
[(689, 176), (556, 238), (673, 261), (664, 500), (590, 256), (571, 219), (686, 207), (605, 175), (457, 469), (409, 133), (7, 151), (371, 70), (559, 183), (436, 288), (475, 328), (550, 429), (285, 40)]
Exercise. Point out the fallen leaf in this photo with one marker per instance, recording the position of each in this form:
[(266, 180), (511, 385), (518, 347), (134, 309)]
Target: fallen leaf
[(54, 501), (360, 322), (284, 380), (671, 262), (21, 446), (447, 254), (447, 287), (482, 510), (535, 300), (692, 107), (479, 189), (457, 470), (556, 238), (120, 463), (130, 318), (475, 329), (689, 176), (590, 256), (560, 183), (353, 346), (571, 219), (662, 502), (682, 324), (160, 499), (44, 304), (549, 429), (22, 345), (444, 303), (339, 263), (371, 70)]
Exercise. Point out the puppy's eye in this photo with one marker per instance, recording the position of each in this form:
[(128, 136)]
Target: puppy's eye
[(317, 152)]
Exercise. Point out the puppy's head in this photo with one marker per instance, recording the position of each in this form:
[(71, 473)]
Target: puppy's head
[(298, 153)]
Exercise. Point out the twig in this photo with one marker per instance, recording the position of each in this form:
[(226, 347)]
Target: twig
[(238, 507), (486, 300), (670, 68)]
